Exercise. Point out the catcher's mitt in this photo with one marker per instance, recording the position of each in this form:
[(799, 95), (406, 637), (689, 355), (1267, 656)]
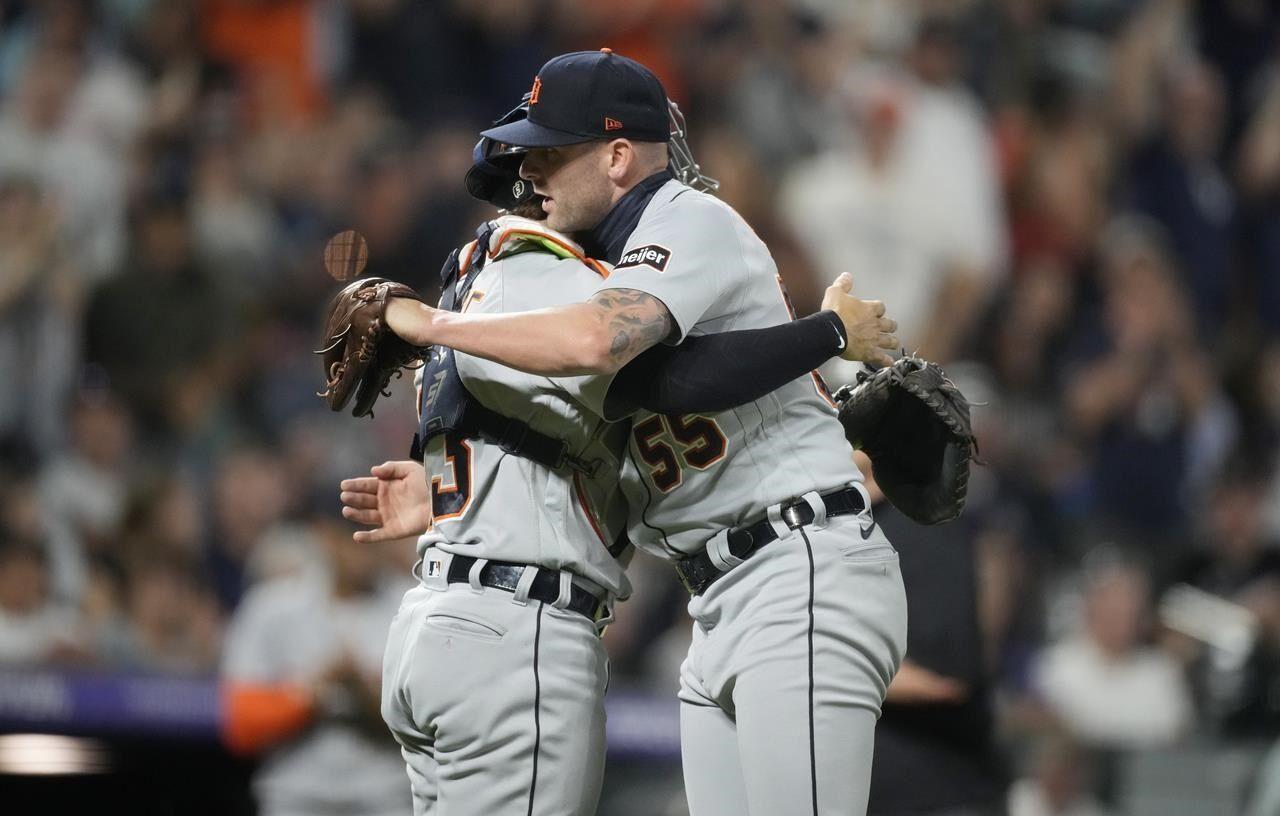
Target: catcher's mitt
[(914, 424), (360, 353)]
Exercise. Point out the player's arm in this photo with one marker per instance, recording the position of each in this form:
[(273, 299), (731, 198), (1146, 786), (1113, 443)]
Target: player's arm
[(613, 327), (598, 336), (716, 372)]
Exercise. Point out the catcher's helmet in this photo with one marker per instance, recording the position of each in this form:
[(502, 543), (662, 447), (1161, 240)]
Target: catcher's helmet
[(495, 170)]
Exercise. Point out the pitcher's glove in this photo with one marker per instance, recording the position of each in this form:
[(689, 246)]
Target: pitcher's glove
[(360, 353), (914, 424)]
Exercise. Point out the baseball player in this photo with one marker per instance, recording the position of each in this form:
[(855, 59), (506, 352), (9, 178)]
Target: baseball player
[(494, 674), (798, 606)]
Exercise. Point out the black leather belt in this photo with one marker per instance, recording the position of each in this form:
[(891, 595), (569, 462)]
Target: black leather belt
[(545, 587), (698, 571)]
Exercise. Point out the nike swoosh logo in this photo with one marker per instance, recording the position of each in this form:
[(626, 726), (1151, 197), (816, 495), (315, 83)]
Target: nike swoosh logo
[(866, 532), (839, 340)]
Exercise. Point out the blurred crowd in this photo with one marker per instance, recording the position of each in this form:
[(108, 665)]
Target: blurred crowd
[(1074, 205)]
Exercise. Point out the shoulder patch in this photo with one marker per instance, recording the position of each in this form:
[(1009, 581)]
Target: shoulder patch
[(654, 255)]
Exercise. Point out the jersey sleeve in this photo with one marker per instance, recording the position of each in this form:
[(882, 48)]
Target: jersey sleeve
[(683, 255), (591, 391)]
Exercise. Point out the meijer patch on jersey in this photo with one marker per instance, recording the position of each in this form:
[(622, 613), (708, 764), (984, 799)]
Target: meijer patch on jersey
[(653, 255)]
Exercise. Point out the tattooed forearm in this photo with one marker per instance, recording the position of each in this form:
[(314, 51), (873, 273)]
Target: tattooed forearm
[(634, 321)]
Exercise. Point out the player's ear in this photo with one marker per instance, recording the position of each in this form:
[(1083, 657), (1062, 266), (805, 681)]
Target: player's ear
[(621, 157)]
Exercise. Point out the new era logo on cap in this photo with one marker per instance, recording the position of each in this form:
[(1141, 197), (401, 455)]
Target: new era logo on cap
[(654, 255), (612, 124), (536, 91)]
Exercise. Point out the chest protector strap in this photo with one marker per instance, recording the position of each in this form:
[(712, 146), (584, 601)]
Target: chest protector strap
[(447, 408)]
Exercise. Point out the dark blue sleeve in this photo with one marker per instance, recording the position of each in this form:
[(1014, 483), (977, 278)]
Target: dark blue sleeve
[(716, 372)]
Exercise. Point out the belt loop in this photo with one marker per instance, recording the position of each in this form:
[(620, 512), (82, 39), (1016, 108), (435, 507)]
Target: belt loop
[(819, 508), (473, 575), (521, 593), (604, 621), (566, 590), (720, 554), (866, 498), (780, 527)]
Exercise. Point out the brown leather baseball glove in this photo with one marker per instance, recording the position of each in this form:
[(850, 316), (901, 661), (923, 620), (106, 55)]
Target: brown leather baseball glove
[(360, 353)]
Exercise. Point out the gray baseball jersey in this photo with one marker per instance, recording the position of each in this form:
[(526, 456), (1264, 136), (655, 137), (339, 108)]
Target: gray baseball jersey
[(690, 476), (796, 645), (514, 723), (558, 520)]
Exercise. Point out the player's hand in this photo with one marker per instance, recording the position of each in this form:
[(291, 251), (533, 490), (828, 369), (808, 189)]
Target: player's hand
[(395, 501), (410, 320), (870, 333)]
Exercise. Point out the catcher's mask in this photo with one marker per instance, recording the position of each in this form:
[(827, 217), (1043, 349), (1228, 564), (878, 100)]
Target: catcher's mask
[(495, 167), (680, 158)]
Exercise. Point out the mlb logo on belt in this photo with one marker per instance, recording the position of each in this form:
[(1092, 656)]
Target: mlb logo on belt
[(652, 255)]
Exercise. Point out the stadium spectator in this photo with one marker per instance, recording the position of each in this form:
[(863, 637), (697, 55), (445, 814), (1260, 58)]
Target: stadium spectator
[(1058, 784), (84, 489), (1176, 180), (172, 620), (1142, 394), (302, 675), (174, 385), (1105, 686), (39, 312), (33, 627), (938, 713), (912, 210), (247, 500), (1240, 565), (71, 123)]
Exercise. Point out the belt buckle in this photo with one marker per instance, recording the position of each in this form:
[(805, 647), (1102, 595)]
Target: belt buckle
[(688, 585), (791, 514)]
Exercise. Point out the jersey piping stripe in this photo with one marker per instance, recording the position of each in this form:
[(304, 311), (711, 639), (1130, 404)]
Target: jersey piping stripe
[(465, 258), (648, 502), (592, 263), (813, 753), (819, 384), (537, 707), (581, 493)]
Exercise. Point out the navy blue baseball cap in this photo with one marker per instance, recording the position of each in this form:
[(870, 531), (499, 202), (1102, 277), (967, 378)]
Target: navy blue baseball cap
[(590, 95)]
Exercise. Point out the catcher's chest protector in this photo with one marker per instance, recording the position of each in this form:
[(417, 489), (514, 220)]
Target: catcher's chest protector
[(444, 400)]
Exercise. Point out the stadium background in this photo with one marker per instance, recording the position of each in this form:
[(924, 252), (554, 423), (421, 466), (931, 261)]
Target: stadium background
[(1073, 204)]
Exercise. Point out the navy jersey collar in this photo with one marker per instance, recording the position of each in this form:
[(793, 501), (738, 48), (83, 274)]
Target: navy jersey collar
[(609, 237)]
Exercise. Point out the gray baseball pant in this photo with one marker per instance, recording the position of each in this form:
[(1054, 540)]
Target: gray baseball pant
[(498, 705), (792, 653)]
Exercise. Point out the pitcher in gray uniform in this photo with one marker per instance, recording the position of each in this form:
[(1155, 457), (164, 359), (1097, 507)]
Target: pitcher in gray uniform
[(798, 606)]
